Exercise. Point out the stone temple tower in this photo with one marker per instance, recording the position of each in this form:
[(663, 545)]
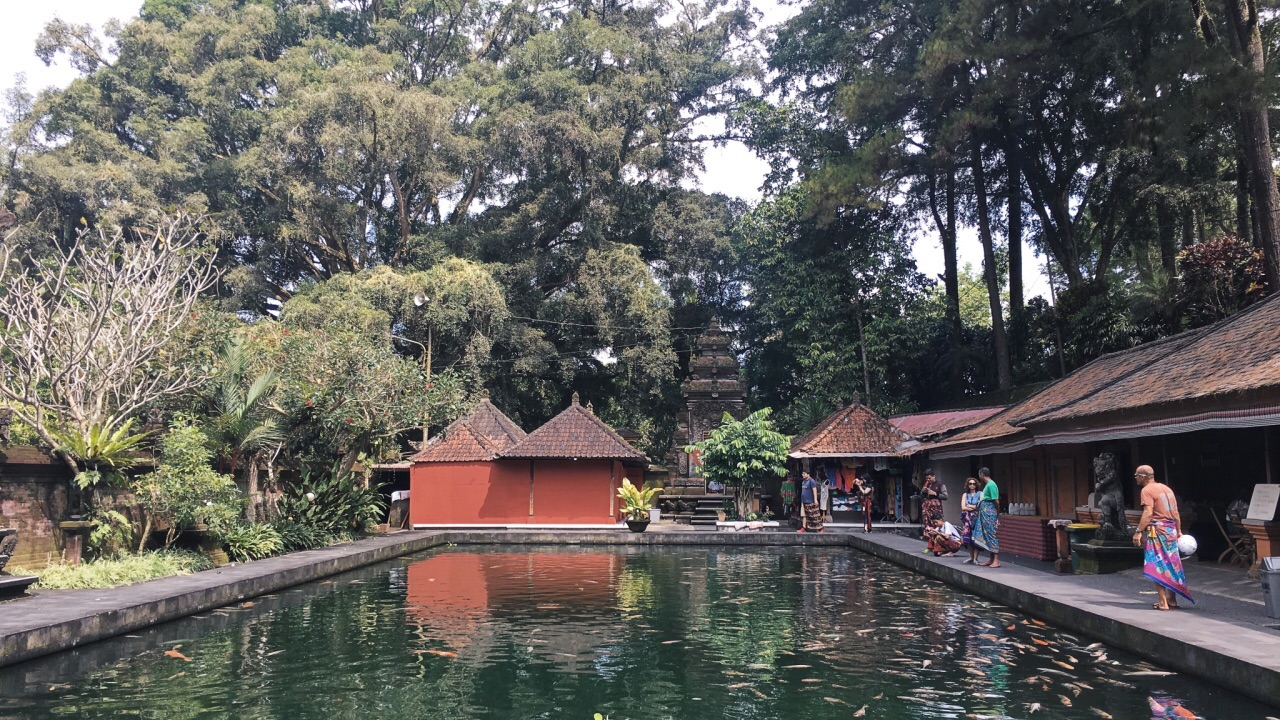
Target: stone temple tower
[(713, 388)]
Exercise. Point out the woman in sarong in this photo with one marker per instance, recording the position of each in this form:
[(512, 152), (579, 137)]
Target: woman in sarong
[(930, 500), (969, 515), (987, 525), (1160, 528)]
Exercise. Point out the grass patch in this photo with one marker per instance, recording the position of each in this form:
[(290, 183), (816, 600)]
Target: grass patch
[(123, 570)]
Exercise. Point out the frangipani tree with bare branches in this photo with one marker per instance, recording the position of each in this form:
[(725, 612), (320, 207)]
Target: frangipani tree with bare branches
[(97, 332)]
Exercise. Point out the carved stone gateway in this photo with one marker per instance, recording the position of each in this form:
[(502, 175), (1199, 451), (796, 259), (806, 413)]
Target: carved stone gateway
[(713, 389)]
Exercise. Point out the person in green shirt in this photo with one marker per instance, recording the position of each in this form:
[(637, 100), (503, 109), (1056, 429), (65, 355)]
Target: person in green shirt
[(987, 525)]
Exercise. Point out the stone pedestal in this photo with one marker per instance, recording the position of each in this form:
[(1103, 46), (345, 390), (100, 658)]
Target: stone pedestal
[(74, 535), (1267, 536), (1099, 557)]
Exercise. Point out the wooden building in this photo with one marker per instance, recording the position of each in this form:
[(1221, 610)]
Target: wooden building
[(856, 442), (1200, 407), (484, 470)]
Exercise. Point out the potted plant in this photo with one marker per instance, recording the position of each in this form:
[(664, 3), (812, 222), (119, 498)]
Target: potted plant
[(636, 503)]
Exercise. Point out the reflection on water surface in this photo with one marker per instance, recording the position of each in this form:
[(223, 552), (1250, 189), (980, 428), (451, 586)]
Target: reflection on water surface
[(561, 633)]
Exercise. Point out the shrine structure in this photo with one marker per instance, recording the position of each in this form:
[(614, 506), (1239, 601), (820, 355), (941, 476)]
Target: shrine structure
[(712, 389)]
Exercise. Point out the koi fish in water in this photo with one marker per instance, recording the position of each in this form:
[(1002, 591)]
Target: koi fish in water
[(1173, 710)]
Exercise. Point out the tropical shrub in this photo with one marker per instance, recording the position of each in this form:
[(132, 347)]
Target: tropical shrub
[(296, 536), (123, 570), (742, 454), (335, 502), (636, 501), (111, 532), (250, 541), (185, 490), (103, 452)]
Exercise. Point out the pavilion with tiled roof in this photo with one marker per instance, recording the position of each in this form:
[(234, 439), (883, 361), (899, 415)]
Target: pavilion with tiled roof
[(855, 441), (1201, 407), (574, 433), (484, 470), (854, 431)]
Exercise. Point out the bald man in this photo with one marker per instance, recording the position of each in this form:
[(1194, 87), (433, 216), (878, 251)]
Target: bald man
[(1159, 529)]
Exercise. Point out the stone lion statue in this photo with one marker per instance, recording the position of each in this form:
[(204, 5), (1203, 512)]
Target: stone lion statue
[(1110, 499)]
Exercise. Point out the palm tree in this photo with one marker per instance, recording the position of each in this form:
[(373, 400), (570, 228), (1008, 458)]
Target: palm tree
[(243, 425)]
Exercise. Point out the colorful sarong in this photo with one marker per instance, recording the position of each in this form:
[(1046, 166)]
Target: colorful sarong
[(986, 526), (941, 544), (967, 518), (813, 516), (1162, 562)]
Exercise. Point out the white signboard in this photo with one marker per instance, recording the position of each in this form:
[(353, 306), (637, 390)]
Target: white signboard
[(1263, 504)]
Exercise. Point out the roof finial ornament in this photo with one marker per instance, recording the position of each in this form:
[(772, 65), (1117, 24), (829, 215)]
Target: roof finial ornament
[(857, 398), (590, 408), (484, 394), (575, 397)]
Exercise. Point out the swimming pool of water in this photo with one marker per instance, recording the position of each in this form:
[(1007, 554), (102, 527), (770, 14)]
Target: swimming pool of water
[(633, 634)]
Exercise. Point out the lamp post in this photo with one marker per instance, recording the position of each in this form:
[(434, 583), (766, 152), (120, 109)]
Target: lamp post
[(426, 349)]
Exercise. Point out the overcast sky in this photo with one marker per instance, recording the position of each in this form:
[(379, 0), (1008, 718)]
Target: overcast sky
[(733, 169)]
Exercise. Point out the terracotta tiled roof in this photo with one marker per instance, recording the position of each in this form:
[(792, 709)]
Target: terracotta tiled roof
[(574, 433), (1231, 361), (924, 424), (460, 442), (479, 435), (855, 430), (489, 421), (1094, 377)]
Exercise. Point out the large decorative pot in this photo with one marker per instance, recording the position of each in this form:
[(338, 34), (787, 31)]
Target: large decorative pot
[(637, 526)]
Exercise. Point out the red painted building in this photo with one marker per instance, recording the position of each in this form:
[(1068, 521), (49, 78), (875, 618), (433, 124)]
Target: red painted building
[(484, 470)]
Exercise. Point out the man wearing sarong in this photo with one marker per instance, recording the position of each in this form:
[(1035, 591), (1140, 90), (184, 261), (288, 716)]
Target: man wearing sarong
[(986, 527), (1160, 528), (811, 515)]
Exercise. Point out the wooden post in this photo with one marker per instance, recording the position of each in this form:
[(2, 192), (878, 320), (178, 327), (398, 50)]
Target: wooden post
[(531, 462)]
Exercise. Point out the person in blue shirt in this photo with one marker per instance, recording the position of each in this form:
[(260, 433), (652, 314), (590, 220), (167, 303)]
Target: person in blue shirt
[(811, 517)]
